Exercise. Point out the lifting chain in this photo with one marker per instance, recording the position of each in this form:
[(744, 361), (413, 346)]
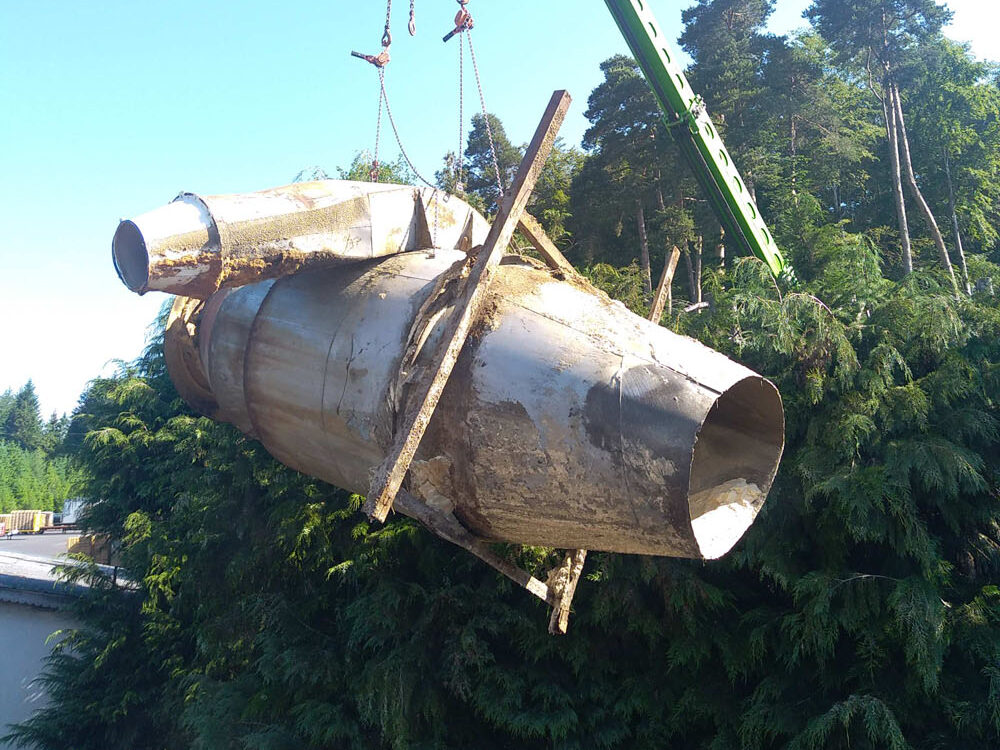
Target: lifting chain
[(459, 185), (464, 24), (387, 34), (382, 58), (373, 173), (486, 117)]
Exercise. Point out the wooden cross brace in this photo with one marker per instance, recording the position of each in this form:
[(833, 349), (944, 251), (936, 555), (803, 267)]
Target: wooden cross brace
[(388, 478)]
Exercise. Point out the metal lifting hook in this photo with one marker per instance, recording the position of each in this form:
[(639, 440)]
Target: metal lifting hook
[(382, 58), (463, 21)]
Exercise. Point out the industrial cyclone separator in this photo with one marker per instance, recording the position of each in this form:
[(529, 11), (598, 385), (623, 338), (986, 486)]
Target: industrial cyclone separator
[(567, 422)]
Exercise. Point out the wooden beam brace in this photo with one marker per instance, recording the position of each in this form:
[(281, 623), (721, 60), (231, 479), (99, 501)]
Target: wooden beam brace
[(388, 478), (663, 290), (563, 581), (448, 528), (539, 240)]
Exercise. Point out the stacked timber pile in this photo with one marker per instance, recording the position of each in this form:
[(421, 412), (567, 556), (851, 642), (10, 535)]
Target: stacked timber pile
[(95, 546), (26, 521)]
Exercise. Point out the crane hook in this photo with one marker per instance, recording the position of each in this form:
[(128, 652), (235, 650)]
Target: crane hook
[(463, 21)]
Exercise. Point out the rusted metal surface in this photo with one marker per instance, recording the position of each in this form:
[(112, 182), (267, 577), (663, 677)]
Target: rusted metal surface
[(183, 358), (197, 245), (568, 421), (388, 478)]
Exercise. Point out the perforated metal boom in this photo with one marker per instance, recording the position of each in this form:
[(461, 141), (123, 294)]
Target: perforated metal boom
[(695, 134)]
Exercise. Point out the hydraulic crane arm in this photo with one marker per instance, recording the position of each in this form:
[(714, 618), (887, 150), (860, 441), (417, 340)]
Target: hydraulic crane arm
[(694, 132)]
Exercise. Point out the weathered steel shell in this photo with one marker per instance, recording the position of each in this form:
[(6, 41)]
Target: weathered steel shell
[(568, 421), (196, 245)]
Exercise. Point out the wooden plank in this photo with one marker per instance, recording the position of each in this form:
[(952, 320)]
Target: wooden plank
[(567, 577), (389, 476), (663, 290), (448, 528), (539, 240)]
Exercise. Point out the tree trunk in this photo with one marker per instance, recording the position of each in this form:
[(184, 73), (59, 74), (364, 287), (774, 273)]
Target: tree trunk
[(698, 245), (932, 224), (794, 154), (897, 183), (647, 280), (954, 224)]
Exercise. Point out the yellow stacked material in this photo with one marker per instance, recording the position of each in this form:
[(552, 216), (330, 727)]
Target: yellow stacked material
[(96, 547), (47, 519), (26, 521), (6, 522)]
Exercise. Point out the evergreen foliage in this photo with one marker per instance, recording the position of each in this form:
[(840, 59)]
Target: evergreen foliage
[(23, 423), (481, 176), (861, 610), (33, 472)]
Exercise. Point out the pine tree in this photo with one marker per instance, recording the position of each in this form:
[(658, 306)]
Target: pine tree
[(956, 134), (23, 425), (878, 37), (481, 179), (725, 39)]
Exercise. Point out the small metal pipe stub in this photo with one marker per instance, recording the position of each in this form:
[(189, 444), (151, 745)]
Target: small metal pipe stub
[(199, 244)]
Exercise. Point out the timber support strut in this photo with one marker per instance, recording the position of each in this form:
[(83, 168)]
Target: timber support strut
[(388, 478)]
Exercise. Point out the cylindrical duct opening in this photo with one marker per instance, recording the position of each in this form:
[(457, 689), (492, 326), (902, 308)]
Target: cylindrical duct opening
[(173, 243), (735, 459), (128, 249)]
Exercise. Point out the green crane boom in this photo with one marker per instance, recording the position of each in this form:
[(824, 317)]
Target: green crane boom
[(694, 132)]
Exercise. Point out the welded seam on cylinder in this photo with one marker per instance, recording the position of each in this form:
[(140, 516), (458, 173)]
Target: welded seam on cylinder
[(252, 336), (347, 378), (620, 377)]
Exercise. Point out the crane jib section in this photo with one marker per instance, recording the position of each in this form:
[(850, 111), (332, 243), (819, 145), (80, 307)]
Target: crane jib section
[(694, 132)]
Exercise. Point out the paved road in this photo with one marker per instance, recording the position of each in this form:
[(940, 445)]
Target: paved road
[(43, 545)]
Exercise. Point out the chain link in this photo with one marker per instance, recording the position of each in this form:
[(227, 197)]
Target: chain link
[(373, 172), (459, 186), (413, 17), (387, 34), (486, 118), (395, 130)]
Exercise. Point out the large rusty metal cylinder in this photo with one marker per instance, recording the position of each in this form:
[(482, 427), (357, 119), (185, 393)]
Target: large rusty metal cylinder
[(568, 421)]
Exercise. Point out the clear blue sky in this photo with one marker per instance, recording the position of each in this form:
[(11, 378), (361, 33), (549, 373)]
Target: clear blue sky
[(109, 109)]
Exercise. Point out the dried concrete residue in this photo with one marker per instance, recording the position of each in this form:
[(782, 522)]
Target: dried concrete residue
[(430, 479), (720, 515), (239, 270)]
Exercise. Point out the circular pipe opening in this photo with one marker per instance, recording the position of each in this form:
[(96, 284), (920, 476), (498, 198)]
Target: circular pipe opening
[(128, 249), (735, 459)]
